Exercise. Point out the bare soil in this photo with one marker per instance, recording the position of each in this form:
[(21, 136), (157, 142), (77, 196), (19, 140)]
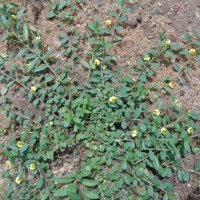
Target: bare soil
[(147, 19)]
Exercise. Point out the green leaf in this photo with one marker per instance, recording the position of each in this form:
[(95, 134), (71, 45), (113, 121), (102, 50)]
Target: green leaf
[(150, 190), (40, 68), (186, 176), (127, 114), (25, 31), (51, 15), (169, 54), (194, 115), (21, 53), (20, 13), (124, 125), (89, 183), (195, 33), (122, 18), (121, 2), (152, 155), (86, 64), (61, 192), (44, 196), (62, 5), (93, 194), (187, 37), (128, 79), (176, 66), (180, 175), (4, 20), (49, 78), (165, 197), (127, 179), (168, 89), (143, 127), (124, 165), (197, 166), (198, 57), (187, 146), (85, 173), (20, 169), (177, 162), (65, 180), (73, 196), (155, 65), (156, 164), (39, 183), (119, 183)]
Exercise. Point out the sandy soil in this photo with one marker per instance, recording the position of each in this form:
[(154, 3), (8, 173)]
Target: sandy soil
[(146, 20)]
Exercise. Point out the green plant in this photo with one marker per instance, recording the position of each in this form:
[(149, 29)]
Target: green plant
[(123, 149)]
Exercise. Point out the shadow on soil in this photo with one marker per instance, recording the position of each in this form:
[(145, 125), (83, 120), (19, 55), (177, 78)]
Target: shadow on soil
[(195, 195)]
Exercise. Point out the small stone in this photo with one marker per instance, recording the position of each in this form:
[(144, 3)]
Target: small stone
[(122, 33), (197, 14), (3, 90), (131, 1)]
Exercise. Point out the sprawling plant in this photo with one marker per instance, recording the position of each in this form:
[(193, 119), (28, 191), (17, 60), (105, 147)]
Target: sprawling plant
[(123, 137)]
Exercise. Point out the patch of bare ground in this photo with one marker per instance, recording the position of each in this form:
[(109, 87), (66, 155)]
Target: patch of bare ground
[(147, 19)]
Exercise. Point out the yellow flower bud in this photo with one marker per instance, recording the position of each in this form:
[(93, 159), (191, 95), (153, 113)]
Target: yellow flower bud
[(146, 58), (20, 144), (32, 167), (192, 52), (112, 99), (33, 89), (134, 133), (14, 16), (171, 84), (190, 130), (8, 164), (37, 38), (96, 62), (168, 41), (108, 23), (156, 112), (163, 130), (18, 180)]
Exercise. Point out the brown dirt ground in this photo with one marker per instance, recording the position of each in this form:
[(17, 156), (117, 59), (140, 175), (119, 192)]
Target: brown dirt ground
[(146, 20)]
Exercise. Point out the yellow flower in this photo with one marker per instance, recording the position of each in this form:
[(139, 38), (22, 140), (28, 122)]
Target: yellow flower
[(171, 84), (192, 52), (20, 144), (112, 99), (168, 41), (108, 23), (33, 89), (8, 164), (12, 34), (156, 112), (32, 167), (96, 62), (18, 180), (134, 133), (37, 38), (146, 58), (14, 16), (190, 130), (163, 130)]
